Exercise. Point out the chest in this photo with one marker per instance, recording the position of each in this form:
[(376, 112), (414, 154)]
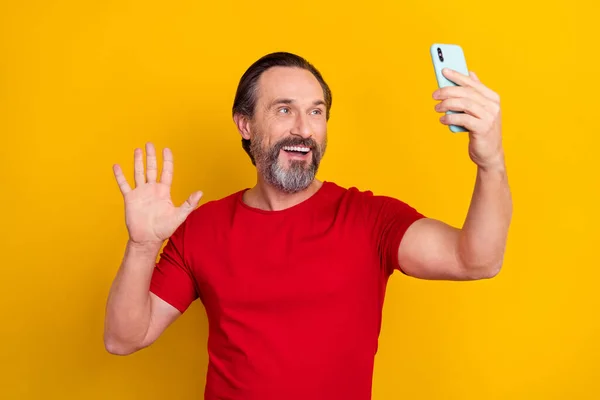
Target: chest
[(288, 266)]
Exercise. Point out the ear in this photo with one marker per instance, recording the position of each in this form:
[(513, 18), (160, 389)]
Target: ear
[(243, 125)]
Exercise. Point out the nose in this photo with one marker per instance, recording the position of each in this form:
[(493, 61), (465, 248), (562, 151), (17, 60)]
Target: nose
[(302, 127)]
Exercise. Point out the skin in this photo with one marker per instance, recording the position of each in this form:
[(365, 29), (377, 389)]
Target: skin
[(290, 103), (432, 249)]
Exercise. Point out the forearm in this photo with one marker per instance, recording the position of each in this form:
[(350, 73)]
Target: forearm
[(483, 236), (128, 309)]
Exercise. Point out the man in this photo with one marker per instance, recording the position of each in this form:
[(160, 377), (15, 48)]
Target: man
[(293, 271)]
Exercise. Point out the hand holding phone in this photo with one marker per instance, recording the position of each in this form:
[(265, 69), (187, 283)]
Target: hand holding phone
[(448, 56), (469, 106)]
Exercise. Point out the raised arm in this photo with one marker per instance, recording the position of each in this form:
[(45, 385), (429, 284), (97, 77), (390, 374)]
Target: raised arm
[(135, 317), (432, 249)]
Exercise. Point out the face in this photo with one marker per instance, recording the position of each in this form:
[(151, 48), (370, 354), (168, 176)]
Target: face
[(289, 129)]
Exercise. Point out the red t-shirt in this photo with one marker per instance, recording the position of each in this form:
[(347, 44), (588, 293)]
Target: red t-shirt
[(294, 297)]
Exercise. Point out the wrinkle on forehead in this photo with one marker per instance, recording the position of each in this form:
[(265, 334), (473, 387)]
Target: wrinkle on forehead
[(292, 83)]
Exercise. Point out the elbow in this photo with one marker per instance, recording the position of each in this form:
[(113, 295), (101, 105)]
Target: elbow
[(478, 265), (491, 272), (487, 271), (119, 348)]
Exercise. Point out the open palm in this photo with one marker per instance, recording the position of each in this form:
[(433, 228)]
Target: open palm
[(150, 215)]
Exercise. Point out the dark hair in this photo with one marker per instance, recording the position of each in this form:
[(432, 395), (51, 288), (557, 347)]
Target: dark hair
[(245, 97)]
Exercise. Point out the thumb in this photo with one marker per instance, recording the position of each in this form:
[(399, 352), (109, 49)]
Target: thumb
[(190, 204)]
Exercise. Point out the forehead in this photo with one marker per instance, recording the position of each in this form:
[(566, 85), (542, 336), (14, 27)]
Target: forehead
[(288, 82)]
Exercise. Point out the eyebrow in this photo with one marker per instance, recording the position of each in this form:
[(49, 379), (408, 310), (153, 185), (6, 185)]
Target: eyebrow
[(290, 101)]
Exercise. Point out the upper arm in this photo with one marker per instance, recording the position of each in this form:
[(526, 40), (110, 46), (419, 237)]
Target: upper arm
[(429, 250)]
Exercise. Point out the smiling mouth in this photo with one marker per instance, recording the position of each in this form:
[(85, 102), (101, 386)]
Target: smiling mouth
[(300, 150)]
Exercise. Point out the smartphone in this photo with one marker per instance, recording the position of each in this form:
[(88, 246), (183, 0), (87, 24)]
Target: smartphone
[(448, 56)]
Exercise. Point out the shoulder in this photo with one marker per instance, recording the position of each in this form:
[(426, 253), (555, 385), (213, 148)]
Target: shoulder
[(213, 210), (356, 194), (370, 202), (333, 189)]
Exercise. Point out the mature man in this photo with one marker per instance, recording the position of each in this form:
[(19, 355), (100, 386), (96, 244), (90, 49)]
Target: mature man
[(293, 271)]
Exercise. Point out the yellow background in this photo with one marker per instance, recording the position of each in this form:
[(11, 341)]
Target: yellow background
[(82, 83)]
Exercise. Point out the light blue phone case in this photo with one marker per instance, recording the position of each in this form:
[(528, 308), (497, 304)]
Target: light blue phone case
[(448, 56)]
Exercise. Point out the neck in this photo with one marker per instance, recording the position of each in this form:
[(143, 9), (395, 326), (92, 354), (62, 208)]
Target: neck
[(266, 197)]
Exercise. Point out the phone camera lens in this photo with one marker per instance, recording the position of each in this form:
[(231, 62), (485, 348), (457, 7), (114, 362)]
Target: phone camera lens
[(440, 55)]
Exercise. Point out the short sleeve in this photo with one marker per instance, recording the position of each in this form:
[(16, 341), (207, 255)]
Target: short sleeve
[(390, 218), (172, 280)]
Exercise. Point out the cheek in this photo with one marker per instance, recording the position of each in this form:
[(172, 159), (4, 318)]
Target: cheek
[(319, 127), (278, 125), (276, 128)]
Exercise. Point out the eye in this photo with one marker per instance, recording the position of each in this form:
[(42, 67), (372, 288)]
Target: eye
[(317, 112), (284, 110)]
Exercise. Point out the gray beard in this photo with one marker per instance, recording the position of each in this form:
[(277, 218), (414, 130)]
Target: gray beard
[(296, 176)]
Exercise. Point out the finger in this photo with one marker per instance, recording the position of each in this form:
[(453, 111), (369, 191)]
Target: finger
[(121, 180), (474, 76), (150, 162), (461, 79), (189, 205), (138, 167), (449, 92), (467, 81), (166, 176), (467, 121), (463, 104)]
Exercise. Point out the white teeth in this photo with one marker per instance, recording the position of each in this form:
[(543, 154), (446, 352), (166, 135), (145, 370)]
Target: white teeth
[(297, 148)]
